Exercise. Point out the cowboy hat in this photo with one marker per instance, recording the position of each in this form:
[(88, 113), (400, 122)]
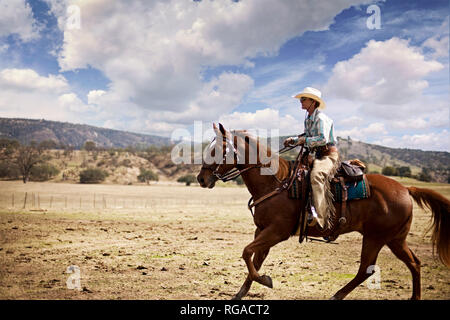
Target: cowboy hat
[(311, 93)]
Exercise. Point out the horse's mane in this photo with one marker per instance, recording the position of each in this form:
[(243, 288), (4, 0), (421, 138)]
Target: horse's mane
[(283, 165)]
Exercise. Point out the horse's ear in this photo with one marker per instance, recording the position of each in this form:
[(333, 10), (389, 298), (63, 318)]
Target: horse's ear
[(216, 130), (222, 129)]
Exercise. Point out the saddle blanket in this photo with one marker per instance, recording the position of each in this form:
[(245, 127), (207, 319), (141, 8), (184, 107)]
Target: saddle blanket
[(355, 190)]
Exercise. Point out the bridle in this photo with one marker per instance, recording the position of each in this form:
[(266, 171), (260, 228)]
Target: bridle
[(236, 172), (232, 173)]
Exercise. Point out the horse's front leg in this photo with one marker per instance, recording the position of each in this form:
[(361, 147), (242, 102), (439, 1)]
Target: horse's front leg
[(266, 239), (258, 260)]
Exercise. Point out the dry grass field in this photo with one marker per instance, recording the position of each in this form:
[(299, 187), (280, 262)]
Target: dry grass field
[(176, 242)]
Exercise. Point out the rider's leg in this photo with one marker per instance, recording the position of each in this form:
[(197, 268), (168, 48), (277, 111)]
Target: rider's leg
[(319, 175)]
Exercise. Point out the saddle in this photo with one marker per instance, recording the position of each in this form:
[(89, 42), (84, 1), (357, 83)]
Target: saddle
[(349, 176), (349, 183)]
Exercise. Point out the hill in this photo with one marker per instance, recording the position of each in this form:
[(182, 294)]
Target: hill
[(379, 157), (75, 135), (153, 152), (435, 163)]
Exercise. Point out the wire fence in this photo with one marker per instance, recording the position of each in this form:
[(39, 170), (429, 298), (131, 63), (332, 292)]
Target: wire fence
[(96, 201)]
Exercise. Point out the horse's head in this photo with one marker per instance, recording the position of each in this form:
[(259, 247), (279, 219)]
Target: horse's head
[(218, 158)]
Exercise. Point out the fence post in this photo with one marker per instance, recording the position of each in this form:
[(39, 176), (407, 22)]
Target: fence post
[(25, 200)]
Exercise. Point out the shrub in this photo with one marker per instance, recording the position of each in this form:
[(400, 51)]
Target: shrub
[(92, 176), (425, 175), (404, 171), (43, 172), (147, 176), (389, 171), (8, 170), (126, 163), (89, 146), (47, 145), (188, 179)]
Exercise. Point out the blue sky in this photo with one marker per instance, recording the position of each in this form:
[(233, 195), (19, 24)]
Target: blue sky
[(160, 66)]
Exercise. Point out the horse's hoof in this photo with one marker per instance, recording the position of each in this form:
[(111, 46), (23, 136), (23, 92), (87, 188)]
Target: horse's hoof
[(265, 281), (334, 298), (236, 297)]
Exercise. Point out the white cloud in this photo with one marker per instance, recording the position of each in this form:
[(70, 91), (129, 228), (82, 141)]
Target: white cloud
[(218, 96), (264, 119), (155, 52), (367, 133), (28, 79), (439, 43), (27, 94), (3, 47), (94, 96), (284, 82), (387, 72), (16, 18), (437, 141), (350, 121)]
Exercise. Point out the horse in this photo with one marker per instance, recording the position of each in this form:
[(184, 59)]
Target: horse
[(383, 219)]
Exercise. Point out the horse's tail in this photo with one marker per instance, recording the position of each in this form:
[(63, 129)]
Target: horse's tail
[(440, 209)]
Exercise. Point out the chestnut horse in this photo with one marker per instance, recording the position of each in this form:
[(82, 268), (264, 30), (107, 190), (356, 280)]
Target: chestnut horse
[(383, 219)]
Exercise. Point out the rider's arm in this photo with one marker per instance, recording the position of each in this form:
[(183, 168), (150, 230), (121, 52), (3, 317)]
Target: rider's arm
[(321, 130)]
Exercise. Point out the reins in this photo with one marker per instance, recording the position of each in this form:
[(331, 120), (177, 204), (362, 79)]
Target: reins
[(286, 184), (233, 173)]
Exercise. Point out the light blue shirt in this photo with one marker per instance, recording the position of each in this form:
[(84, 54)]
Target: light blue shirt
[(318, 130)]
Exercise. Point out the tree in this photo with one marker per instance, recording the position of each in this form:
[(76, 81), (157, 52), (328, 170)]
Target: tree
[(89, 146), (389, 171), (43, 172), (188, 179), (7, 143), (147, 176), (425, 175), (48, 144), (8, 147), (8, 170), (404, 171), (92, 175), (27, 157)]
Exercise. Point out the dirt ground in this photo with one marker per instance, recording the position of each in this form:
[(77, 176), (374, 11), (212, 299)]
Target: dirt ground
[(186, 245)]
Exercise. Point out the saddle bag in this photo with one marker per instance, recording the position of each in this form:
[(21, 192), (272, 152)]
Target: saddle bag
[(350, 171)]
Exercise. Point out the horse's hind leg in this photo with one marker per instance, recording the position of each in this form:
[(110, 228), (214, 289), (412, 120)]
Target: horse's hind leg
[(370, 249), (402, 251)]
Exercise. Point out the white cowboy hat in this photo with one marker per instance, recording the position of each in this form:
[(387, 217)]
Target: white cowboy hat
[(312, 93)]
